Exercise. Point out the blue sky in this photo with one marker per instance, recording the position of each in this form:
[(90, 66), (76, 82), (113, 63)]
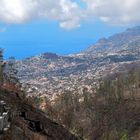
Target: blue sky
[(37, 37), (31, 27)]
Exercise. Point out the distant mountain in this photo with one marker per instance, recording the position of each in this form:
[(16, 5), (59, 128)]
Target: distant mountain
[(126, 41), (50, 74)]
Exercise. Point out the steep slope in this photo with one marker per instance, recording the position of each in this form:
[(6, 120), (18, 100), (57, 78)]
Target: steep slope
[(29, 123)]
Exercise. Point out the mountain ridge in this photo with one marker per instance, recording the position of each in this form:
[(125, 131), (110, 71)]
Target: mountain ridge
[(115, 42)]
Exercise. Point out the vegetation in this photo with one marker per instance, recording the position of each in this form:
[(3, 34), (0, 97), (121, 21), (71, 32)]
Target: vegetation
[(110, 113)]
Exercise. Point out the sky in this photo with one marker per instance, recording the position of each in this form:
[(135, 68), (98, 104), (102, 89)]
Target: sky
[(31, 27)]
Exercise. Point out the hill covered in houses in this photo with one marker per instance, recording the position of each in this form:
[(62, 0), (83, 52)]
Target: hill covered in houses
[(50, 74)]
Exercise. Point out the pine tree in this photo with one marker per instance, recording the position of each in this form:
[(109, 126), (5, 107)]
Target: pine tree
[(1, 67)]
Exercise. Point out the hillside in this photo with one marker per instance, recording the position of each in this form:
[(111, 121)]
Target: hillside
[(26, 122), (50, 74), (111, 112), (128, 41)]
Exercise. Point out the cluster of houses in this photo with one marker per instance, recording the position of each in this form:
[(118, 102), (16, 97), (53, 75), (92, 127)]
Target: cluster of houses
[(4, 117)]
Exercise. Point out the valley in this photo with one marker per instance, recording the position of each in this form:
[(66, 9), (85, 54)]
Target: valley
[(50, 74)]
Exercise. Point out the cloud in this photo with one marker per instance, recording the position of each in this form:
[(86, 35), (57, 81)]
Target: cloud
[(20, 11), (70, 13), (70, 24), (114, 11)]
